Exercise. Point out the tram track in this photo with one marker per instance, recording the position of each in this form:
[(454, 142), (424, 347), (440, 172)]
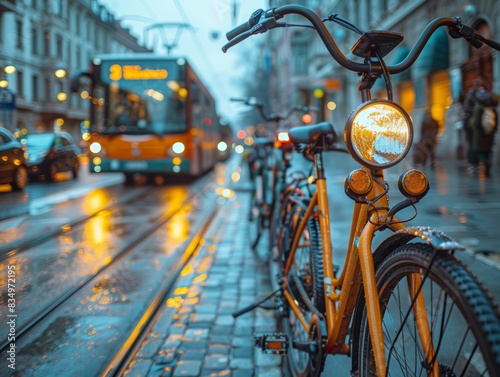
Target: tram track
[(126, 354), (10, 249), (23, 326)]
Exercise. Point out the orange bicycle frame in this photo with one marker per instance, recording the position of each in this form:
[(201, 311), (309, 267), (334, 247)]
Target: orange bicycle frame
[(341, 292)]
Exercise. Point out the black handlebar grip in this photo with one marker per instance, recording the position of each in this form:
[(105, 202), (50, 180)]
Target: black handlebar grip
[(252, 21), (238, 30)]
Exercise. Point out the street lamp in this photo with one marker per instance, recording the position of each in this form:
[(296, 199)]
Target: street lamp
[(8, 69), (60, 73)]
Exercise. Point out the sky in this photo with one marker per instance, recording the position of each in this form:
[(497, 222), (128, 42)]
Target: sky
[(201, 44)]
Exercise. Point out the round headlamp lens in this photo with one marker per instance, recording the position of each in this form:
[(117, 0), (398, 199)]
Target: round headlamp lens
[(378, 134)]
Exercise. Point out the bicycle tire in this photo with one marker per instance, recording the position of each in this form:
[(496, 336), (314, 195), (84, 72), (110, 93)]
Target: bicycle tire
[(465, 334), (308, 267), (256, 226)]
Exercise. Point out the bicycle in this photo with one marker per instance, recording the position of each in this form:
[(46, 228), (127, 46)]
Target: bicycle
[(267, 166), (410, 307)]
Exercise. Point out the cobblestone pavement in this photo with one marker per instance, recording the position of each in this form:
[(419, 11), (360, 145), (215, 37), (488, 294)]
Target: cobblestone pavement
[(196, 335)]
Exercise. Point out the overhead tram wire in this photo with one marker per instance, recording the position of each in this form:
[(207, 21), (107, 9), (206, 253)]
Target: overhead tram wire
[(198, 43)]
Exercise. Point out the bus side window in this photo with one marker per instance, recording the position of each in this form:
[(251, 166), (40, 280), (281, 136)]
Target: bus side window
[(196, 104)]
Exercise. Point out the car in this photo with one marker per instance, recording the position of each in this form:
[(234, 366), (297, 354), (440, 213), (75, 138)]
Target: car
[(50, 153), (13, 164)]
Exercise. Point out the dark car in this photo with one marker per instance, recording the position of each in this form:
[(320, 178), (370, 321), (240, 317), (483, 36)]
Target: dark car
[(51, 153), (13, 165)]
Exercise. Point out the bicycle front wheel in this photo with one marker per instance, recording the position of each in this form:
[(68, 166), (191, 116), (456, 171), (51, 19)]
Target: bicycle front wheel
[(463, 322)]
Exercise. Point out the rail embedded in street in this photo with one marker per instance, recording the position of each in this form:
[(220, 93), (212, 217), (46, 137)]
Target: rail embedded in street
[(406, 307)]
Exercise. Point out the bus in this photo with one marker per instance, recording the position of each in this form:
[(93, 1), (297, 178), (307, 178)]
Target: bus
[(152, 115)]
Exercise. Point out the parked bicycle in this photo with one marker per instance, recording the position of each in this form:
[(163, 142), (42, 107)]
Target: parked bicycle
[(267, 165), (408, 307)]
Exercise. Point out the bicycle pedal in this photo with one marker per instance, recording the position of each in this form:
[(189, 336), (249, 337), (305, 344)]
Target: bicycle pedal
[(276, 344)]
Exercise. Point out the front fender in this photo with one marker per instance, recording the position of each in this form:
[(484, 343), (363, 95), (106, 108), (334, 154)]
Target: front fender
[(436, 238)]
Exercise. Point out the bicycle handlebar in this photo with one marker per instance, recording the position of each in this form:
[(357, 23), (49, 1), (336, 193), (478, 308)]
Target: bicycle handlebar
[(268, 20), (252, 101)]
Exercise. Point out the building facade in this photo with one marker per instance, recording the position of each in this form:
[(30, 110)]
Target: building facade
[(436, 82), (43, 43)]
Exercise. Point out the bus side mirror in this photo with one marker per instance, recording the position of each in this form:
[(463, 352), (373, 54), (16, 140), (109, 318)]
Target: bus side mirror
[(76, 81)]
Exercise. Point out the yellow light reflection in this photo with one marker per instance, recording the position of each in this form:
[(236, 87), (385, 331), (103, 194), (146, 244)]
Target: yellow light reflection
[(200, 278), (225, 192), (174, 302), (178, 227), (96, 243), (95, 201), (183, 92), (155, 95), (181, 291), (236, 176), (187, 270)]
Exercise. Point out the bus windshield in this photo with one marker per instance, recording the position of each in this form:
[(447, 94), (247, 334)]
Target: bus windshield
[(140, 96)]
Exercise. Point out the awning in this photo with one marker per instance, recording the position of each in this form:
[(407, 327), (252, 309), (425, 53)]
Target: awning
[(400, 55), (397, 57), (434, 57)]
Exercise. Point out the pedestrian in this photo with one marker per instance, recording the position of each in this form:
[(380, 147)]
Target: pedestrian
[(475, 142), (426, 146)]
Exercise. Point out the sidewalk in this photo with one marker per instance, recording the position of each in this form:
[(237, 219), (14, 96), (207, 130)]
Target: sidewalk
[(465, 207), (196, 334)]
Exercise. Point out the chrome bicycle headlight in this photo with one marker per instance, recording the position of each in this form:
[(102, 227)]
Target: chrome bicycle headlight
[(378, 134)]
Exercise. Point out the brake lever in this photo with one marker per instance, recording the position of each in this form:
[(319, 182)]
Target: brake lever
[(465, 31), (265, 24)]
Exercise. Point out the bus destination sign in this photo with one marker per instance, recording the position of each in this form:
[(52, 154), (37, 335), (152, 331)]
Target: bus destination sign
[(135, 72)]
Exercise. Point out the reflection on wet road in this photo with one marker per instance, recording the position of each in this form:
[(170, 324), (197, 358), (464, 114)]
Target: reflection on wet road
[(148, 236)]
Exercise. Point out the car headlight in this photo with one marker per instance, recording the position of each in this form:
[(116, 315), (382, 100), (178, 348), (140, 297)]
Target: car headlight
[(378, 134)]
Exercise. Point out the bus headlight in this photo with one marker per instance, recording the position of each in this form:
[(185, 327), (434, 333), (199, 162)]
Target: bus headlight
[(222, 146), (178, 147), (378, 134), (95, 147)]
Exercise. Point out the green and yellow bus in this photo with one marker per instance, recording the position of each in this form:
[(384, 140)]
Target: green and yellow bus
[(151, 115)]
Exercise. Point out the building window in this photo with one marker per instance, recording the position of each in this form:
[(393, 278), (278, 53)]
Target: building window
[(77, 23), (58, 7), (34, 41), (97, 40), (46, 43), (48, 92), (78, 57), (59, 46), (36, 88), (19, 31), (299, 60), (20, 83), (70, 61)]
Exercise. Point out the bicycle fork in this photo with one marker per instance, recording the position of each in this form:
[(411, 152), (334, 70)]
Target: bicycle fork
[(373, 308)]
